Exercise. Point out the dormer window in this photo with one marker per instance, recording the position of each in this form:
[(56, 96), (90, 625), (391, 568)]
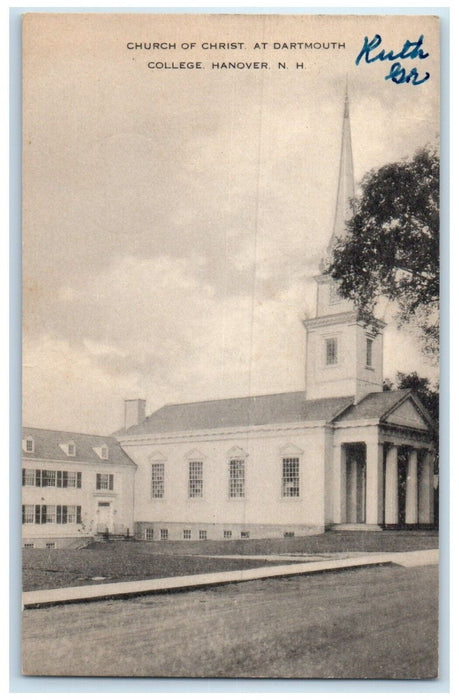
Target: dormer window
[(29, 444), (101, 451), (68, 448)]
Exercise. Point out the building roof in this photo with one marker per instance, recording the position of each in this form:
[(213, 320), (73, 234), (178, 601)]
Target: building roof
[(47, 446), (375, 405), (249, 410), (268, 409)]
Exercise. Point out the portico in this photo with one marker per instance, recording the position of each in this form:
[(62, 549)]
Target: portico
[(385, 480)]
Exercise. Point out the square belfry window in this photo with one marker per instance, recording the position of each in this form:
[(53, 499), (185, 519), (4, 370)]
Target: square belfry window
[(331, 351)]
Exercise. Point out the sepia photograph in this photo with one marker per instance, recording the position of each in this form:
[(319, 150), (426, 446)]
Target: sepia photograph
[(230, 360)]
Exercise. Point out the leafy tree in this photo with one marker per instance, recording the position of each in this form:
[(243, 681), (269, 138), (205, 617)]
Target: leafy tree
[(392, 244)]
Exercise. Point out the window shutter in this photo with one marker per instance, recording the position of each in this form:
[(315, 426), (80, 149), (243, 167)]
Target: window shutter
[(110, 482), (78, 480), (59, 514), (37, 477), (97, 481), (78, 514), (23, 483), (37, 515), (65, 479), (59, 479), (64, 514), (23, 514), (43, 514)]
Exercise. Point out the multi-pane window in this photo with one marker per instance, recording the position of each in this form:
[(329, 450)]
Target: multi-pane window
[(331, 351), (104, 482), (29, 545), (28, 477), (60, 515), (187, 534), (164, 533), (104, 452), (195, 479), (290, 477), (71, 450), (50, 514), (245, 535), (237, 478), (149, 533), (202, 534), (50, 545), (157, 480), (227, 534), (48, 478), (334, 295), (369, 353), (29, 445), (28, 514), (39, 477)]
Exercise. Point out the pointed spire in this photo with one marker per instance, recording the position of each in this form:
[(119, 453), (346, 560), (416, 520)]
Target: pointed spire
[(343, 210)]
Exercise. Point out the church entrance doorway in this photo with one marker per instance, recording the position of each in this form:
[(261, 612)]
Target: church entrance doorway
[(355, 483)]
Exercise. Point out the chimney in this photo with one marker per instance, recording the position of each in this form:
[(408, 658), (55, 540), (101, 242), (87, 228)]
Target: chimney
[(134, 412)]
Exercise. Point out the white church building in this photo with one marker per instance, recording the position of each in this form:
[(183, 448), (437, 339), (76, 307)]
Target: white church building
[(342, 453)]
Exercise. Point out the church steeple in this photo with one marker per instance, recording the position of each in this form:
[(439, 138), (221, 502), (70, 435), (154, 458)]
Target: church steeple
[(343, 356), (345, 192)]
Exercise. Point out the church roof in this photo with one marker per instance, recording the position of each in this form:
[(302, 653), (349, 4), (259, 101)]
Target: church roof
[(378, 405), (270, 409), (290, 407), (47, 445)]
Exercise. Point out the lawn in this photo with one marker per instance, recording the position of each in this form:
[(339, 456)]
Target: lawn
[(379, 622), (128, 561)]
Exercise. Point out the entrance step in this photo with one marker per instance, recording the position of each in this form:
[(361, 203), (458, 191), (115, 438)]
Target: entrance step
[(352, 527)]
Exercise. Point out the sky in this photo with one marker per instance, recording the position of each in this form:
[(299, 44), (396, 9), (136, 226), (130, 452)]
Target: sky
[(174, 218)]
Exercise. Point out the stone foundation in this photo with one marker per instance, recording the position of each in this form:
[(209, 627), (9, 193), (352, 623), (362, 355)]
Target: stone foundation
[(220, 531)]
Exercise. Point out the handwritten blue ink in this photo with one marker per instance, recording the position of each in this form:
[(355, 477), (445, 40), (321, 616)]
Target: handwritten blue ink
[(399, 75), (411, 49)]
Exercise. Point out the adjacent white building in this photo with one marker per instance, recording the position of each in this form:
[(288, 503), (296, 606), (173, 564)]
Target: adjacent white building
[(74, 486)]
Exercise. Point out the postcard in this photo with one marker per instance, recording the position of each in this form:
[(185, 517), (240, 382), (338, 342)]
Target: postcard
[(230, 345)]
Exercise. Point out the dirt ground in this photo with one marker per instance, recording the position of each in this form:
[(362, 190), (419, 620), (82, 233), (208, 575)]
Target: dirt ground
[(379, 622), (127, 561)]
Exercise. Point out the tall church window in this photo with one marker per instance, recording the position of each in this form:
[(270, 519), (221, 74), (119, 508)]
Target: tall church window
[(290, 477), (195, 481), (331, 351), (157, 480), (369, 353), (237, 478)]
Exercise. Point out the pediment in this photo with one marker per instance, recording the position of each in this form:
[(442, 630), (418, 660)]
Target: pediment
[(237, 453), (409, 415), (195, 454), (157, 457), (290, 450)]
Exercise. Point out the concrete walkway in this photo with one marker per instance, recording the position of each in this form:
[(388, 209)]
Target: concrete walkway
[(161, 585)]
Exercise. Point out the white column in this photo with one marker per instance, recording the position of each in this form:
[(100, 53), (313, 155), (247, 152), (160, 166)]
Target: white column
[(411, 510), (339, 483), (391, 486), (374, 482), (426, 491), (352, 486)]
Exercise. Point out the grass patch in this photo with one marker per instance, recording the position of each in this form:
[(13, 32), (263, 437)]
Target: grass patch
[(131, 561)]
